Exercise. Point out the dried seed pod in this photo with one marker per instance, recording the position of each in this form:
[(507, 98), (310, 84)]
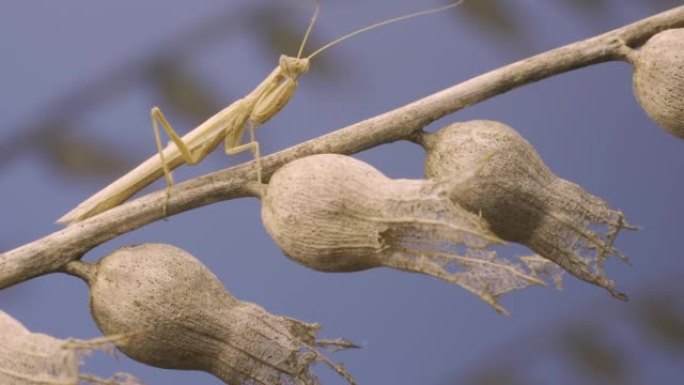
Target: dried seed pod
[(38, 359), (188, 320), (522, 200), (659, 79), (337, 214), (32, 358)]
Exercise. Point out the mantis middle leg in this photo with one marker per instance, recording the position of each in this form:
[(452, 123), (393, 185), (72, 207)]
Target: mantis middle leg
[(232, 147)]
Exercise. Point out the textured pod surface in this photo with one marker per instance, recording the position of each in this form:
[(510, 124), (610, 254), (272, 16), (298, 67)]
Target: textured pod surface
[(335, 213), (28, 358), (32, 358), (659, 79), (187, 320), (522, 199), (304, 207)]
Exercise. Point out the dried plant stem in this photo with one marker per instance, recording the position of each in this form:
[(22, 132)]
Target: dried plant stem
[(51, 253)]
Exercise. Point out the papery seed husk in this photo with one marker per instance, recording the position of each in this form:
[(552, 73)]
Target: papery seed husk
[(522, 200), (33, 358), (190, 321), (659, 79), (337, 214), (28, 358), (305, 223)]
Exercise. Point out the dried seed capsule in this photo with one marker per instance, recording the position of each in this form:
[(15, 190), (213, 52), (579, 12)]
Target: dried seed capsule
[(522, 200), (659, 79), (37, 359), (32, 358), (337, 214), (187, 319)]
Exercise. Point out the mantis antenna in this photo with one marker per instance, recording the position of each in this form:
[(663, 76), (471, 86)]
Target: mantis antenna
[(308, 29), (372, 26)]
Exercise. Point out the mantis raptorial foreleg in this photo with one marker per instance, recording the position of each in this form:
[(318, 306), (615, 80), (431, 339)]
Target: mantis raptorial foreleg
[(228, 125)]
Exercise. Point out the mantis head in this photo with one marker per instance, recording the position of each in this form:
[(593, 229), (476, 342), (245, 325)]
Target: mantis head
[(292, 67)]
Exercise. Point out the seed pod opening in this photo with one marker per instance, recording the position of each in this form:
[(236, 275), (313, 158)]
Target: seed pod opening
[(522, 200), (334, 213), (658, 79), (187, 320)]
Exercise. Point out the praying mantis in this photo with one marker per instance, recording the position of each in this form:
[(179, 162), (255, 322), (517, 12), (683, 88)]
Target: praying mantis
[(226, 126)]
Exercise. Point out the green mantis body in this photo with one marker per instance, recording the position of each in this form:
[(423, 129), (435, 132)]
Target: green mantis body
[(226, 126)]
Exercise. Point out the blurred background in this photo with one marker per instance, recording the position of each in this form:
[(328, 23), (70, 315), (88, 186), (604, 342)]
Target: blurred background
[(77, 80)]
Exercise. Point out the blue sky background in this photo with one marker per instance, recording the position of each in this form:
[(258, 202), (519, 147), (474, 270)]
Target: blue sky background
[(414, 329)]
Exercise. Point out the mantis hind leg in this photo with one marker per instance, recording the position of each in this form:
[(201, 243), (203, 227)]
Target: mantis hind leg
[(233, 148)]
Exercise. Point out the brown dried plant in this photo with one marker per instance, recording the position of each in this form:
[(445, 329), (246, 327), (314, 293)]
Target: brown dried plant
[(496, 190), (188, 320), (28, 358), (522, 200), (335, 213), (659, 79)]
